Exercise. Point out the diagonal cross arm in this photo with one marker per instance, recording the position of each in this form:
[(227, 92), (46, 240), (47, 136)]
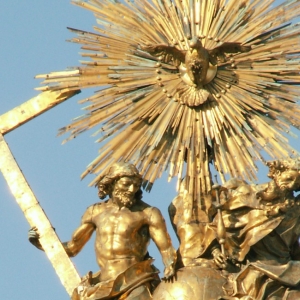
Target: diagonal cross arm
[(22, 191), (32, 108)]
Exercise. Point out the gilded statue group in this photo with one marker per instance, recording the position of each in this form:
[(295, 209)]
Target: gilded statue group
[(244, 246), (185, 86)]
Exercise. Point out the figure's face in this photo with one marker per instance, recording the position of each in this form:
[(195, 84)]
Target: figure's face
[(288, 180), (124, 191)]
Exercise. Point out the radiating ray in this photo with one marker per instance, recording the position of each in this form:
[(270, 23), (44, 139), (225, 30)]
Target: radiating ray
[(144, 118)]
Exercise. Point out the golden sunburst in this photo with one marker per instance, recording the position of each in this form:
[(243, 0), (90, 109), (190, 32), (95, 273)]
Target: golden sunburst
[(188, 83)]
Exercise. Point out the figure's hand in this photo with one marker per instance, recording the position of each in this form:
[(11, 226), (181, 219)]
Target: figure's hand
[(33, 237), (219, 258), (169, 272), (33, 234)]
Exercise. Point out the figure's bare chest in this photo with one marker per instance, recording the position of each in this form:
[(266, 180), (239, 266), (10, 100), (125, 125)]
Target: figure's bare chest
[(120, 222)]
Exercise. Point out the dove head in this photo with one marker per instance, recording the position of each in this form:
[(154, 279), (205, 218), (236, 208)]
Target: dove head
[(195, 43)]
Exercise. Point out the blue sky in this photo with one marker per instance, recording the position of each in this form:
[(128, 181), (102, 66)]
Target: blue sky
[(33, 35)]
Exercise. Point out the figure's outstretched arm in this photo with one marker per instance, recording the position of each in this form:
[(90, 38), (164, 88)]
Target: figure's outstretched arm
[(160, 236), (79, 237), (82, 234)]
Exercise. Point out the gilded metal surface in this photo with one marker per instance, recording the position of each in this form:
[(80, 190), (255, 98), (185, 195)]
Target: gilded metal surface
[(197, 235), (261, 258), (32, 108), (36, 217), (199, 65), (154, 102), (21, 189), (196, 282), (124, 225), (188, 83), (263, 229)]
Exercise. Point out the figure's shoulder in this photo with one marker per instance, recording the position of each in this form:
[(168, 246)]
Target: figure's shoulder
[(152, 212), (101, 206), (94, 210), (144, 207), (141, 205)]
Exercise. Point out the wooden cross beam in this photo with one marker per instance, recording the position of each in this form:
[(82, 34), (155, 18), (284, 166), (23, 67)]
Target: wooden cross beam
[(22, 191)]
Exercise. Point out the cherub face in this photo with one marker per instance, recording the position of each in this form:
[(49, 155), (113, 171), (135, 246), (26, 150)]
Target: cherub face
[(288, 180)]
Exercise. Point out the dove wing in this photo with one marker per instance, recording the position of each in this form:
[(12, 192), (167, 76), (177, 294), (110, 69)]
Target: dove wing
[(168, 53), (218, 54)]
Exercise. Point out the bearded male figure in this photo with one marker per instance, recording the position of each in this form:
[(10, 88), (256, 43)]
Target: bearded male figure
[(124, 225), (263, 231)]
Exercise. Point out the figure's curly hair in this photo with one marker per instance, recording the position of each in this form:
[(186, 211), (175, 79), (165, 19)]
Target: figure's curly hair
[(117, 171), (282, 165), (279, 166)]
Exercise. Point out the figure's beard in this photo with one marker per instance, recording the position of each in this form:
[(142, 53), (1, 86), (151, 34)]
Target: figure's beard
[(127, 199)]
